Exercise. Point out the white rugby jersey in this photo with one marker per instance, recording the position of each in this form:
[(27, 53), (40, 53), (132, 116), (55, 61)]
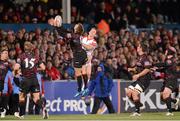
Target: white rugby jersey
[(87, 41)]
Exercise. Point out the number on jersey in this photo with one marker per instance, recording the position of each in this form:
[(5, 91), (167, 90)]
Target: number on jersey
[(29, 63)]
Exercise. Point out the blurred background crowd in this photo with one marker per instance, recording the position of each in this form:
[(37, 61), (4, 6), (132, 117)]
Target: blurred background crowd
[(117, 48), (115, 12)]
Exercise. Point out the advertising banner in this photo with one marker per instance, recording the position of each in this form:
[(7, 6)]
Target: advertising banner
[(60, 99)]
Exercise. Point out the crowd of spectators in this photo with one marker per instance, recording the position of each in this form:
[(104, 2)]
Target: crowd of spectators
[(116, 49), (28, 11), (118, 13)]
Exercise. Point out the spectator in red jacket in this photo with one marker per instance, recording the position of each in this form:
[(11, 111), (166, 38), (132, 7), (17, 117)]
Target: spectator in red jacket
[(52, 72)]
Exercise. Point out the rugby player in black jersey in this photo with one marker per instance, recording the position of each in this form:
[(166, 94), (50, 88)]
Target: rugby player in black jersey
[(28, 63), (79, 54), (141, 79), (170, 85)]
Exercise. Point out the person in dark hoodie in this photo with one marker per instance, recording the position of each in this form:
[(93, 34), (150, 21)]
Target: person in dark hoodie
[(101, 85)]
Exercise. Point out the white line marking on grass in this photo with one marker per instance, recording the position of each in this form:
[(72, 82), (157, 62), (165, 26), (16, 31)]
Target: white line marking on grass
[(90, 120)]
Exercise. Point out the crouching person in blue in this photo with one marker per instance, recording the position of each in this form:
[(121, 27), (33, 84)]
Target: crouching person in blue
[(101, 85)]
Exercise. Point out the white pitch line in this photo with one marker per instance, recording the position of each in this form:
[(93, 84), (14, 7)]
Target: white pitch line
[(90, 120)]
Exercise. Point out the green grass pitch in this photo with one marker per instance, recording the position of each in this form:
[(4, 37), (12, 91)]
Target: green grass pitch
[(108, 117)]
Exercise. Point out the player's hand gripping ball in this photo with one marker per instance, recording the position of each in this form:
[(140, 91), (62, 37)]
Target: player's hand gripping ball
[(58, 21)]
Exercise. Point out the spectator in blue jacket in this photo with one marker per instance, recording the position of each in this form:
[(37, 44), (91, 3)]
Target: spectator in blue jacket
[(101, 85), (10, 95), (14, 103)]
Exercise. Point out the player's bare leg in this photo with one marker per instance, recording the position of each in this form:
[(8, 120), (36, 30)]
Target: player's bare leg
[(129, 93), (89, 69), (86, 72), (85, 76)]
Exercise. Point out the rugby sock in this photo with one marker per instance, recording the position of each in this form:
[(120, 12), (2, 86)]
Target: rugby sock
[(37, 110), (22, 106), (0, 100), (1, 109), (137, 109), (15, 100), (173, 100), (85, 78), (43, 99), (138, 104), (4, 102), (168, 104), (176, 92), (39, 106), (79, 83), (39, 103)]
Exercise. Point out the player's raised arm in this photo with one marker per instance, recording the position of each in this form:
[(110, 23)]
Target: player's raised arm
[(57, 23)]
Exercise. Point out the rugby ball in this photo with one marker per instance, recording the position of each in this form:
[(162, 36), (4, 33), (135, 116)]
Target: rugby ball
[(58, 20)]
